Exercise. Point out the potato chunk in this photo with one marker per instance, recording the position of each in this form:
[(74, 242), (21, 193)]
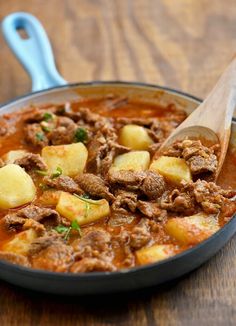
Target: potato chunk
[(84, 211), (155, 253), (20, 244), (193, 229), (16, 187), (11, 156), (172, 168), (135, 137), (135, 161), (70, 158)]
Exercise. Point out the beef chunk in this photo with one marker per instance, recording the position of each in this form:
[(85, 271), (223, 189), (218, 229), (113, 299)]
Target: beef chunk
[(153, 185), (13, 222), (140, 235), (35, 135), (96, 244), (63, 183), (94, 186), (123, 241), (177, 201), (125, 200), (43, 242), (92, 265), (63, 132), (210, 196), (151, 210), (3, 127), (119, 217), (148, 183), (56, 257), (14, 258), (31, 161)]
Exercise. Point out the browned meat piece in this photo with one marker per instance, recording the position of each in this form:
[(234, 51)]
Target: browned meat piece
[(35, 135), (14, 258), (137, 121), (177, 201), (31, 161), (124, 200), (199, 164), (13, 222), (151, 210), (129, 179), (63, 183), (38, 114), (40, 214), (57, 257), (43, 242), (92, 265), (32, 224), (64, 131), (140, 235), (3, 127), (94, 186), (210, 196), (153, 185), (122, 240), (87, 116), (97, 148), (119, 218), (96, 243)]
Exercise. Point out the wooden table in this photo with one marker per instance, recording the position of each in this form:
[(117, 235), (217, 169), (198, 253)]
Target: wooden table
[(183, 44)]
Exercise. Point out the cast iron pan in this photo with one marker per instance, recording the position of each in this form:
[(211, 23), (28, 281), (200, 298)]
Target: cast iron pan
[(49, 87)]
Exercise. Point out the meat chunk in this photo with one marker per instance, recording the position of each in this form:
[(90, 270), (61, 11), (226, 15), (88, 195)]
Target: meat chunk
[(125, 200), (153, 185), (43, 242), (148, 183), (35, 135), (151, 210), (177, 201), (96, 243), (3, 127), (31, 161), (14, 258), (94, 186), (56, 257), (92, 265), (63, 183), (63, 132), (140, 235)]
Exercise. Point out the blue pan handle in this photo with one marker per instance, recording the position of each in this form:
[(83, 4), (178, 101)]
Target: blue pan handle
[(34, 52)]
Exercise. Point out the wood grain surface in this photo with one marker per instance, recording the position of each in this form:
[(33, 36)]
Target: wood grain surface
[(183, 44)]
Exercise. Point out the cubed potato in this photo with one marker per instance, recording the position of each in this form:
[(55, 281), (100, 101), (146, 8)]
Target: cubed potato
[(20, 243), (84, 211), (135, 161), (11, 156), (70, 158), (193, 229), (16, 187), (172, 168), (155, 253), (49, 197), (135, 137)]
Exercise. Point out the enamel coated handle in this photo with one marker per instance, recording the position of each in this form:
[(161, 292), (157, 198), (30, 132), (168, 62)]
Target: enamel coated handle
[(34, 52)]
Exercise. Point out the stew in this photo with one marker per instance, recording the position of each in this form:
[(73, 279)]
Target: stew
[(82, 188)]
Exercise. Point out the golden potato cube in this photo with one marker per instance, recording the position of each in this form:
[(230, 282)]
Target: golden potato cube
[(135, 137), (49, 197), (193, 229), (20, 243), (16, 187), (70, 158), (135, 161), (82, 210), (11, 156), (155, 253), (172, 168)]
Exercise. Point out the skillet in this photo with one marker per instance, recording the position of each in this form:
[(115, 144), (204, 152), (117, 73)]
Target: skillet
[(49, 87)]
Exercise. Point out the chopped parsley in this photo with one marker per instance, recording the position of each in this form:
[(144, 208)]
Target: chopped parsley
[(57, 173), (67, 229), (47, 116), (87, 200), (46, 128), (81, 135), (39, 136), (41, 172)]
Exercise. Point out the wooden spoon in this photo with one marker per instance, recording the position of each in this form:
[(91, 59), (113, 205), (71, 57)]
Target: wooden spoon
[(211, 121)]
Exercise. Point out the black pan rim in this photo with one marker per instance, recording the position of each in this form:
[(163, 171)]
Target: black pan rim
[(121, 273)]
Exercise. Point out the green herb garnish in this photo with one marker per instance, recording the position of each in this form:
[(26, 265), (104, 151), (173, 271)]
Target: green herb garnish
[(81, 135), (46, 129), (67, 229), (85, 199), (39, 136), (47, 116), (57, 173)]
